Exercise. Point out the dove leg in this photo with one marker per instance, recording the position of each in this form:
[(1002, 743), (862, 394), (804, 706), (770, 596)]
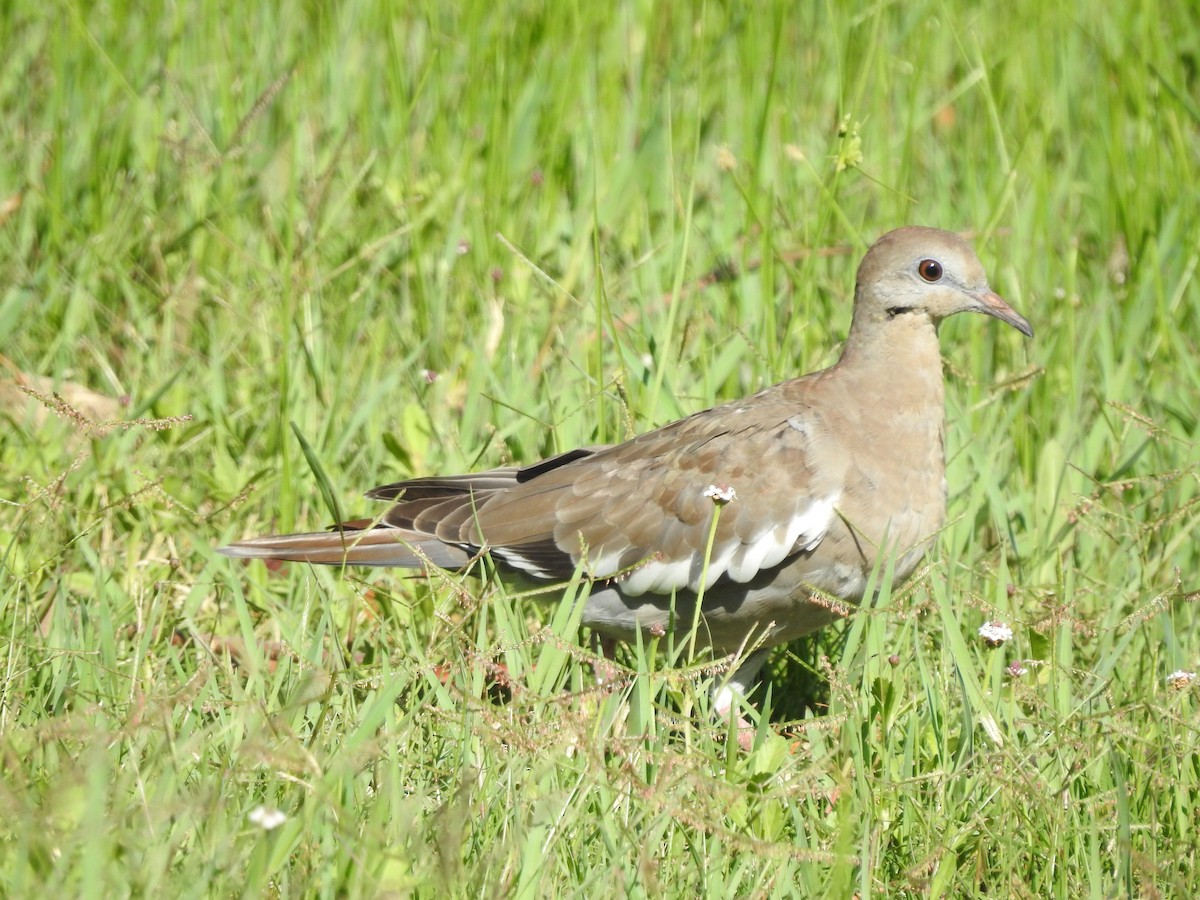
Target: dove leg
[(730, 693), (606, 650)]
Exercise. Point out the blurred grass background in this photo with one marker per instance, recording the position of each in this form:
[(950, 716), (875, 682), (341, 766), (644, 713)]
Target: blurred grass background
[(426, 237)]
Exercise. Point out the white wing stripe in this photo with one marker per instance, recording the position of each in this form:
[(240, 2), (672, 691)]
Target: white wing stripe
[(741, 561), (520, 562)]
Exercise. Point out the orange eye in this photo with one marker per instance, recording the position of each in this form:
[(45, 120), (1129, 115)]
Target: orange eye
[(930, 270)]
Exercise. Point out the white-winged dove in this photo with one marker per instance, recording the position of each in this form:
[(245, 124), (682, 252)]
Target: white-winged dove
[(816, 478)]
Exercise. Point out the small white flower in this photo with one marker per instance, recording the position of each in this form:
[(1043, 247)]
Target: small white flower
[(995, 633), (1181, 680), (720, 493), (1016, 669), (267, 817)]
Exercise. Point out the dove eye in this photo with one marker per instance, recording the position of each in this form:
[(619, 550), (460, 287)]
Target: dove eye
[(930, 270)]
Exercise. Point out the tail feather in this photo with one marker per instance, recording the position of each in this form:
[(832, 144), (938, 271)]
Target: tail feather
[(367, 547)]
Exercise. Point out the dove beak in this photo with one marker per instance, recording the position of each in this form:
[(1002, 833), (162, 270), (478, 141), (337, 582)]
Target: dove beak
[(992, 304)]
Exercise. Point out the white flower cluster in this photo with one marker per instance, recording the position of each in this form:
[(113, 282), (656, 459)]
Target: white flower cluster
[(720, 493), (267, 817), (1181, 680), (995, 633)]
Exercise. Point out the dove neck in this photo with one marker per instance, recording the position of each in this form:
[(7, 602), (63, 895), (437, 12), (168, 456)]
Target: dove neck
[(896, 358)]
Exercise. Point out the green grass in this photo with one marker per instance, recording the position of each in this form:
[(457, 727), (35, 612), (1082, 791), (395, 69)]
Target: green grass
[(236, 224)]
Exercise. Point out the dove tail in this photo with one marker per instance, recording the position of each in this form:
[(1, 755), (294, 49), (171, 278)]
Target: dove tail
[(361, 547)]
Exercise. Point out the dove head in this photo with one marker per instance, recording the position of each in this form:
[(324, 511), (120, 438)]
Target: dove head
[(913, 275)]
